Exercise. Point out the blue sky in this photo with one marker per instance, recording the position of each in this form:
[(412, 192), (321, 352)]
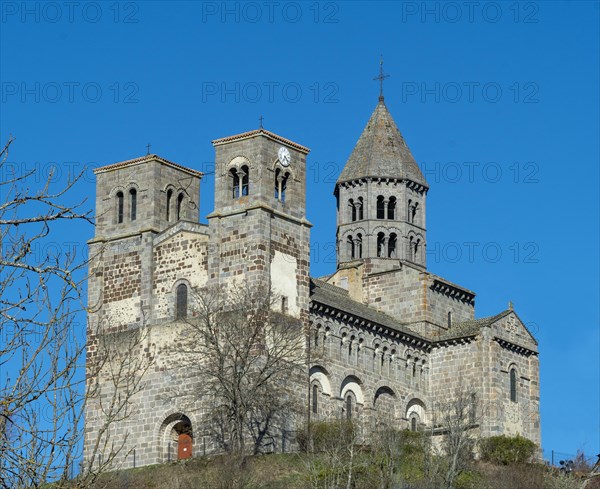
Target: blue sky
[(499, 103)]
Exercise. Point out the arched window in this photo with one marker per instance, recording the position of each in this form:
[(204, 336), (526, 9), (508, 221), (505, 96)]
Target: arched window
[(392, 246), (281, 179), (409, 210), (414, 421), (179, 209), (416, 250), (182, 300), (315, 399), (513, 385), (349, 407), (350, 247), (169, 200), (360, 209), (234, 182), (119, 207), (358, 246), (392, 208), (133, 203), (380, 244), (352, 210), (414, 212), (380, 207), (283, 187), (245, 177)]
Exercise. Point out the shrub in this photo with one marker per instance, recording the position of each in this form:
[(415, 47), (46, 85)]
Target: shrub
[(327, 435), (506, 450)]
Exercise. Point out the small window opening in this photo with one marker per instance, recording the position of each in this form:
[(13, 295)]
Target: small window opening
[(182, 300), (120, 207), (348, 407), (360, 209), (352, 210), (473, 408), (449, 319), (284, 305), (380, 207), (513, 385), (392, 208), (179, 206), (358, 246), (350, 247), (169, 199), (414, 212), (133, 202), (234, 181), (416, 250), (315, 399), (245, 180), (392, 246), (281, 180), (413, 423), (380, 244)]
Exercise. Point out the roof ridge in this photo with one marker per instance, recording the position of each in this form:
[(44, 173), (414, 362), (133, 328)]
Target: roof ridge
[(256, 132), (144, 159)]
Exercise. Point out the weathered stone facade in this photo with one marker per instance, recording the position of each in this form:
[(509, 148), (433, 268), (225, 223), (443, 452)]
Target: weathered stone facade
[(385, 334)]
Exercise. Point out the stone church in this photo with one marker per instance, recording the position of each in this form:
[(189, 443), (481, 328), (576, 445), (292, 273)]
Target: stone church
[(390, 332)]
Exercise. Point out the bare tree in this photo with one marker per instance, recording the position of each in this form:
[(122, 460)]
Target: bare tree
[(250, 359), (333, 463), (452, 437), (116, 365), (43, 390), (41, 323)]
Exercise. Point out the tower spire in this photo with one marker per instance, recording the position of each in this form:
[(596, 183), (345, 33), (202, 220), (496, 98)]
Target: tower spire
[(381, 77)]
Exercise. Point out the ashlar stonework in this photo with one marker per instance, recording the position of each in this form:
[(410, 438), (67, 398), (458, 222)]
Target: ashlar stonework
[(384, 334)]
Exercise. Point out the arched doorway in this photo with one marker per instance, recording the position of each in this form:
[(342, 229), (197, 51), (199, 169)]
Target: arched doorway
[(183, 432), (184, 446), (176, 438)]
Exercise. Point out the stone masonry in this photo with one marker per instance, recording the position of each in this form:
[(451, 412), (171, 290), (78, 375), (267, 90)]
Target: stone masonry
[(385, 335)]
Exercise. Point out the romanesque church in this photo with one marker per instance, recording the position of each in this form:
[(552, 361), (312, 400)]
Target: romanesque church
[(390, 332)]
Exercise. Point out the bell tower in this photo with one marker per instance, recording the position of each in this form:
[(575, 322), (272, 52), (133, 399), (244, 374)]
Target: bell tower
[(259, 225), (381, 197)]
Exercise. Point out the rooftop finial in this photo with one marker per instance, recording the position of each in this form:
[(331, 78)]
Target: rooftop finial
[(510, 305), (148, 148), (261, 119), (381, 77)]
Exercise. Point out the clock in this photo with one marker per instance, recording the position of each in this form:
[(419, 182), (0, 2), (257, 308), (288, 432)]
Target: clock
[(284, 156)]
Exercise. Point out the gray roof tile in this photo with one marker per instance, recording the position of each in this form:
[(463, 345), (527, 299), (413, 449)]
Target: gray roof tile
[(338, 298), (381, 152)]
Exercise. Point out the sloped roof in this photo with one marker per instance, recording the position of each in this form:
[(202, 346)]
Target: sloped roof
[(338, 298), (144, 159), (471, 327), (261, 132), (381, 152)]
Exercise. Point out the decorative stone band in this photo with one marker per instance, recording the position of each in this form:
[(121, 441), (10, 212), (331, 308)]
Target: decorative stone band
[(453, 291), (514, 347), (348, 318), (417, 187)]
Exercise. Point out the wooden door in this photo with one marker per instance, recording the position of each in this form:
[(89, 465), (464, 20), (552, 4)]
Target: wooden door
[(184, 446)]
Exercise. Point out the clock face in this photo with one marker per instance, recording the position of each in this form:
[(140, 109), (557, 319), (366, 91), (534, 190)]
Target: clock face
[(284, 156)]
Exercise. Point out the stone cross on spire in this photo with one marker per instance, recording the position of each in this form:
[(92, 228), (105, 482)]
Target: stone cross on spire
[(381, 77)]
